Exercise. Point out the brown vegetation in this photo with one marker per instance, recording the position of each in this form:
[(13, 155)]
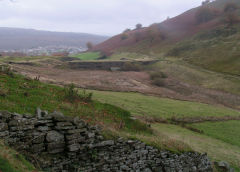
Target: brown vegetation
[(124, 36), (205, 14), (230, 7), (232, 19)]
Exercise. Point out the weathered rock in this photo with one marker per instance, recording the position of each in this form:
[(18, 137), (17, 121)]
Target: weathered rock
[(5, 115), (43, 128), (54, 148), (73, 136), (38, 148), (65, 126), (54, 136), (224, 165), (82, 130), (4, 133), (38, 137), (74, 147), (3, 127), (105, 143)]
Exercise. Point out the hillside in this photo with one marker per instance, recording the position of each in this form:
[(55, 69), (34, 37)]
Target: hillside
[(15, 38), (157, 37)]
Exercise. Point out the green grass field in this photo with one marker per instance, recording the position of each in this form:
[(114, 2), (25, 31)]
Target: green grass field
[(140, 104), (175, 136), (88, 56), (227, 131), (218, 150)]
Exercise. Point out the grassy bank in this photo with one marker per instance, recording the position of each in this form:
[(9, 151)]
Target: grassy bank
[(140, 104), (12, 161)]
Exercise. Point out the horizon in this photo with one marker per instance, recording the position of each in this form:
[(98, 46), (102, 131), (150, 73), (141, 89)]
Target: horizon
[(104, 17)]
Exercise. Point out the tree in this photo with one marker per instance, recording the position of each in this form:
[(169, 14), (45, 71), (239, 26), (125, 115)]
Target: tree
[(89, 45), (138, 26), (230, 7)]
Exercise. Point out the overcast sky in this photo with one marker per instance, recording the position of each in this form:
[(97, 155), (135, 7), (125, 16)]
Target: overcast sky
[(105, 17)]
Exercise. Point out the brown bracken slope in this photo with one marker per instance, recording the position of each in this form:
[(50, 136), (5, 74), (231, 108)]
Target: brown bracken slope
[(174, 30)]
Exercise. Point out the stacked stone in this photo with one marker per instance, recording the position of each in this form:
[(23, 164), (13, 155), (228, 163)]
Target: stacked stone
[(136, 156), (4, 119), (72, 145)]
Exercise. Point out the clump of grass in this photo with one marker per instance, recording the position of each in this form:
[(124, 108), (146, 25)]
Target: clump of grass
[(158, 78), (72, 94), (3, 92), (159, 82)]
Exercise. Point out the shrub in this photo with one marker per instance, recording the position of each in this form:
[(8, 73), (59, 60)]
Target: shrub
[(128, 66), (159, 82), (223, 32), (72, 94), (205, 14), (180, 48), (156, 75), (230, 7)]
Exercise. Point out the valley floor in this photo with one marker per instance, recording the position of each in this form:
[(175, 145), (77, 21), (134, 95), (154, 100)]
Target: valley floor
[(190, 94)]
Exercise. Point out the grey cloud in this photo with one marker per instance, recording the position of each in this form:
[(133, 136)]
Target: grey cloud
[(94, 16)]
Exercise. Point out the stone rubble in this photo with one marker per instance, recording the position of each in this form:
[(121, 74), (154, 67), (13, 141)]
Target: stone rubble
[(60, 144)]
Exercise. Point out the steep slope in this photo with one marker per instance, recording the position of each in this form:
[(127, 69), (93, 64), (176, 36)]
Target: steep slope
[(11, 38), (168, 32), (216, 50)]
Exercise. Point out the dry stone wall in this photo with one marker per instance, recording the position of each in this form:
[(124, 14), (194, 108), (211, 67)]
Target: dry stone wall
[(54, 142)]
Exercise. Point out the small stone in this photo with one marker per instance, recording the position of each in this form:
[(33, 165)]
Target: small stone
[(43, 128), (105, 143)]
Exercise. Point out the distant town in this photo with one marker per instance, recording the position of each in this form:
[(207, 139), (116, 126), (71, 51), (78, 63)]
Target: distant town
[(44, 51)]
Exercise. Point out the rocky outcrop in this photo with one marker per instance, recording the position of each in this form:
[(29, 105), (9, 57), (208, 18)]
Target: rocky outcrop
[(58, 143)]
